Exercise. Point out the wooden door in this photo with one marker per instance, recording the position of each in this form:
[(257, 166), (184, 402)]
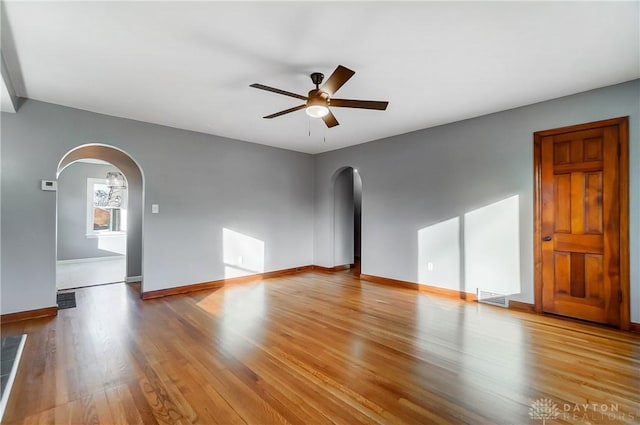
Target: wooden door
[(581, 220)]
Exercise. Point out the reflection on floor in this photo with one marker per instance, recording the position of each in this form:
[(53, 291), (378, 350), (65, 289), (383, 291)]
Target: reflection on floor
[(317, 348), (91, 271)]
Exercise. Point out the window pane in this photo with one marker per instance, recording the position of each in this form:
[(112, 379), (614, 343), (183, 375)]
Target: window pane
[(100, 195), (101, 219), (115, 198)]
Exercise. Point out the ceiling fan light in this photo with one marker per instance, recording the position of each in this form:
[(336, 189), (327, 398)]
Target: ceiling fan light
[(317, 111)]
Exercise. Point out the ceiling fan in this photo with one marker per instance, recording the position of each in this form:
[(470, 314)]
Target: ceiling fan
[(318, 101)]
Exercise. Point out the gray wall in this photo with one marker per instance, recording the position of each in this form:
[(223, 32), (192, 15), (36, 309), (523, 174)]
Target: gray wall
[(205, 184), (202, 183), (417, 180), (73, 242)]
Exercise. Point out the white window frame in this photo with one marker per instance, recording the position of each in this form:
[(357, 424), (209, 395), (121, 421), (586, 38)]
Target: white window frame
[(91, 233)]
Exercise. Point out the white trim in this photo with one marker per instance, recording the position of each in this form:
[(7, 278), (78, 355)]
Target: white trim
[(12, 376), (131, 279), (105, 234), (91, 184), (87, 260)]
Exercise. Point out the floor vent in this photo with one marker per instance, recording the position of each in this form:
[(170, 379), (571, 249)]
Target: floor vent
[(492, 298), (66, 300)]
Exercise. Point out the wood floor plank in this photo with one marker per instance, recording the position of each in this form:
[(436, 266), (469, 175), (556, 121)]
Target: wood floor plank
[(315, 348)]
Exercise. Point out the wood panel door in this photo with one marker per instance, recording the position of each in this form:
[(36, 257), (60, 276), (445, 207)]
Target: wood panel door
[(581, 222)]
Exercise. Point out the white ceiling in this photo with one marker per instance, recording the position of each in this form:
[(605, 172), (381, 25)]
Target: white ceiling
[(189, 65)]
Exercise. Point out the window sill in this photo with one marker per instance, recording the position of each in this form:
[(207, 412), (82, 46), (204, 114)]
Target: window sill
[(106, 235)]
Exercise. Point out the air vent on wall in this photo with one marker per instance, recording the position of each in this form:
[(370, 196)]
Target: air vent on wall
[(492, 298)]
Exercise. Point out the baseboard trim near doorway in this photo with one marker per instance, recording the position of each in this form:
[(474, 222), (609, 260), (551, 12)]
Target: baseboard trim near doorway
[(29, 314), (634, 327), (521, 306), (91, 259), (222, 282), (452, 293), (333, 269)]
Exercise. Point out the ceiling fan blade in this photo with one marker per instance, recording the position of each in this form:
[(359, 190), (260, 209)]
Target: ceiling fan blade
[(330, 120), (340, 76), (286, 111), (363, 104), (274, 90)]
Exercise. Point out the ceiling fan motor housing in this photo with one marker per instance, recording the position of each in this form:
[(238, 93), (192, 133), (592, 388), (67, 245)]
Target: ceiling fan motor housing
[(317, 78), (317, 97)]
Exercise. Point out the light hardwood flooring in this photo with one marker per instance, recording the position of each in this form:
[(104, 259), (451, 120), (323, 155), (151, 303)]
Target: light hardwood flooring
[(316, 348)]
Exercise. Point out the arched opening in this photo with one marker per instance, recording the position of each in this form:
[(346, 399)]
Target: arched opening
[(116, 230), (347, 219)]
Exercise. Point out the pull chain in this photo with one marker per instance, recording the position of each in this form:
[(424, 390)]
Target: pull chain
[(324, 134)]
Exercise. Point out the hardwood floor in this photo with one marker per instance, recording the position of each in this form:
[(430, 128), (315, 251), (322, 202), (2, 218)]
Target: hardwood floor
[(316, 348)]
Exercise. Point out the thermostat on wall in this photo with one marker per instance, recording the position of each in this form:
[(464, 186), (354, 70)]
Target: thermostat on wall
[(49, 185)]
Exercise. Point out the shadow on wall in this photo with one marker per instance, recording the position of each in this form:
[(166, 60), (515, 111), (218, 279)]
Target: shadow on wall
[(478, 251), (242, 254)]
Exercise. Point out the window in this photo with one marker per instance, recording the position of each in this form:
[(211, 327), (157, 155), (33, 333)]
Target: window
[(106, 208)]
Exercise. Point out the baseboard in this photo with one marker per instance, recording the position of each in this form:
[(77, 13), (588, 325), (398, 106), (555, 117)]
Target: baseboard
[(132, 279), (91, 259), (634, 327), (389, 282), (521, 306), (332, 269), (467, 296), (29, 314), (222, 282)]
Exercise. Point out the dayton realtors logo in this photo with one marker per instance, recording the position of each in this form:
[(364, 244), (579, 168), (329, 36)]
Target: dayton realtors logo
[(544, 409)]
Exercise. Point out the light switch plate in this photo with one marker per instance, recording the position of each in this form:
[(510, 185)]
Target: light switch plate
[(155, 208)]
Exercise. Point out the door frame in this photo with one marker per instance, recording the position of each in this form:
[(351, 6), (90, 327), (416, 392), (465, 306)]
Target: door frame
[(623, 168), (134, 174), (334, 179)]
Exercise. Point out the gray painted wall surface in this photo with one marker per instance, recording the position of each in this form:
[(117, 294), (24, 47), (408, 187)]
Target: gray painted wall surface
[(426, 177), (202, 183), (73, 242), (205, 183)]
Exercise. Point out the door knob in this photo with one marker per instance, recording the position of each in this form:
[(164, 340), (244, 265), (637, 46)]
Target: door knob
[(546, 238)]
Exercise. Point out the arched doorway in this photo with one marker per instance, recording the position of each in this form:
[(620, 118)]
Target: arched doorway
[(347, 222), (132, 172)]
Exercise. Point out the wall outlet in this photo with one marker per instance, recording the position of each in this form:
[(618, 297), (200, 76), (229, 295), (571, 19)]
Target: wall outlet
[(430, 266)]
